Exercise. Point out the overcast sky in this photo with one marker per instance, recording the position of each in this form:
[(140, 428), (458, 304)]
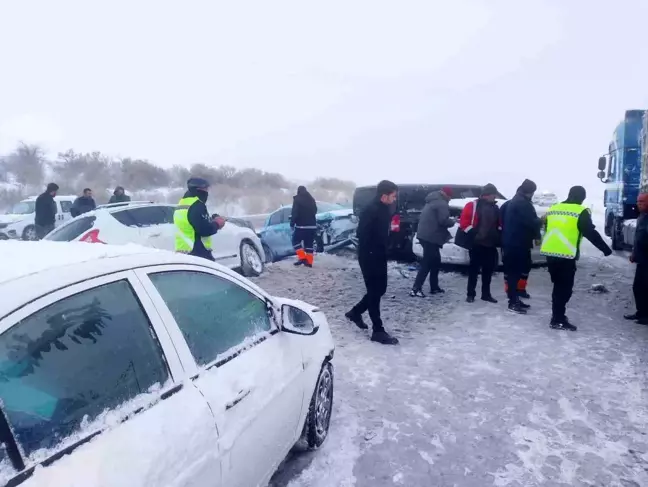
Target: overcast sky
[(415, 91)]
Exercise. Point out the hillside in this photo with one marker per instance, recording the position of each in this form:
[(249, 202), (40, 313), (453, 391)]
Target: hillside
[(26, 171)]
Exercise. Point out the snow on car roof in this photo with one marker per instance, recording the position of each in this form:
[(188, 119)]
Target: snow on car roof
[(19, 259)]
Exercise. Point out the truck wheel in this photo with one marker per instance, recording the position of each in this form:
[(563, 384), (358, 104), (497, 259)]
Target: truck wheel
[(617, 234), (609, 224)]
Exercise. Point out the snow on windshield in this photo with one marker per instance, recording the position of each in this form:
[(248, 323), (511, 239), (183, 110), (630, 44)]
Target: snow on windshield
[(23, 208)]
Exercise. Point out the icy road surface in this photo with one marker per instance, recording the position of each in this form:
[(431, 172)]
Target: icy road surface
[(475, 396)]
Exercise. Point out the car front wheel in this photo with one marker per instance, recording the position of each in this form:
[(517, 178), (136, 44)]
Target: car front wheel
[(321, 407), (251, 263), (30, 233)]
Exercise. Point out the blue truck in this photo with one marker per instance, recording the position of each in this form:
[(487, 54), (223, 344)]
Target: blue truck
[(622, 169)]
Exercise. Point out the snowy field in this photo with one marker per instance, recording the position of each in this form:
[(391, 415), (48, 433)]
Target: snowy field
[(475, 396)]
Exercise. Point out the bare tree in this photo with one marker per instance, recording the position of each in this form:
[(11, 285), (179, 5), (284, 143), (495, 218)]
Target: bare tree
[(26, 164)]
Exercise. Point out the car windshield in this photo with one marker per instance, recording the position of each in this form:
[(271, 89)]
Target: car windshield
[(23, 208), (323, 207)]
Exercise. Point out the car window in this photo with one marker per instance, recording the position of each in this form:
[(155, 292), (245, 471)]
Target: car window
[(72, 230), (285, 215), (69, 362), (23, 208), (275, 218), (144, 216), (214, 314), (65, 206)]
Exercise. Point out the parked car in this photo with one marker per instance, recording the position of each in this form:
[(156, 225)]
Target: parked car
[(151, 224), (123, 365), (18, 222), (453, 254), (407, 209), (335, 226)]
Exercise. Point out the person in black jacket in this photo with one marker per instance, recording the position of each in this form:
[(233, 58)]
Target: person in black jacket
[(83, 204), (45, 217), (520, 227), (639, 256), (563, 270), (303, 222), (119, 196), (373, 235)]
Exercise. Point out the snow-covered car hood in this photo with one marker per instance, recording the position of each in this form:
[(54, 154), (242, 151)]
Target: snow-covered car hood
[(11, 218), (335, 214)]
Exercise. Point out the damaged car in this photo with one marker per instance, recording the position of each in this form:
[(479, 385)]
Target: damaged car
[(336, 226)]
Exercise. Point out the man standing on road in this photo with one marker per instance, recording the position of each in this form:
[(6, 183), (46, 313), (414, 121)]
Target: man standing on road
[(373, 235), (83, 204), (640, 257), (521, 226), (567, 223), (524, 276), (303, 222), (119, 196), (194, 226), (482, 215), (433, 234), (45, 217)]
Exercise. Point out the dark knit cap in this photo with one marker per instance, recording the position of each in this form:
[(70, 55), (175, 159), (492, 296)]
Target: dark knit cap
[(528, 187), (489, 190), (386, 187)]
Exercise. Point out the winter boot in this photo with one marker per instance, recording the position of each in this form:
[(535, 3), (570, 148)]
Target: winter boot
[(298, 263), (356, 320), (562, 324), (516, 308), (470, 299), (524, 294), (437, 290), (384, 338), (489, 299), (417, 293), (632, 317), (524, 305)]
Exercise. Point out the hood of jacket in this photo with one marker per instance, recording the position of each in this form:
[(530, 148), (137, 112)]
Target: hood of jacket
[(197, 193), (436, 196)]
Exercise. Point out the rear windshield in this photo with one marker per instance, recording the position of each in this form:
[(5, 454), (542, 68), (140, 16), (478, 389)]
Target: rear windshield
[(72, 230), (144, 216)]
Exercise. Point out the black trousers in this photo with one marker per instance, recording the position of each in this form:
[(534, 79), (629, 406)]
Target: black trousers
[(484, 259), (517, 263), (304, 238), (374, 272), (640, 290), (43, 230), (430, 264), (562, 272)]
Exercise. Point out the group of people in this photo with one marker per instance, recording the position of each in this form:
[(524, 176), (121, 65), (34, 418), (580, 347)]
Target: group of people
[(484, 228), (45, 207)]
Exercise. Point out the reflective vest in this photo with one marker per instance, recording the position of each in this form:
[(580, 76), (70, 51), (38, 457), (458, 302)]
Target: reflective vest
[(562, 237), (185, 236)]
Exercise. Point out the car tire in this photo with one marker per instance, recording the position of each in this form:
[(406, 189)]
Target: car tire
[(269, 254), (251, 263), (317, 423), (29, 233)]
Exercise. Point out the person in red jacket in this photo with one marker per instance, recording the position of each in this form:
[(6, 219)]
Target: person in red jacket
[(481, 219)]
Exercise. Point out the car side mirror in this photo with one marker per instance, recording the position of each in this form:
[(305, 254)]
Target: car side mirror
[(601, 175), (297, 321), (602, 162)]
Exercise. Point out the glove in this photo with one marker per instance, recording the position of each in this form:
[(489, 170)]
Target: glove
[(220, 221)]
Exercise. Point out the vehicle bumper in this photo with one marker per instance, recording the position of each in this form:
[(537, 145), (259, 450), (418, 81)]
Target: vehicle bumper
[(453, 254), (6, 234)]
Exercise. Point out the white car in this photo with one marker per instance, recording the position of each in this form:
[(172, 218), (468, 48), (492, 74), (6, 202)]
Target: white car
[(453, 254), (236, 245), (127, 366), (18, 222)]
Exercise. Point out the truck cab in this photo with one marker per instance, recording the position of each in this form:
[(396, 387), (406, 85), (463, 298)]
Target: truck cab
[(620, 170)]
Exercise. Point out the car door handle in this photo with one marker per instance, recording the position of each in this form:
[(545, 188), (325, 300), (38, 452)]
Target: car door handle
[(239, 397), (156, 234)]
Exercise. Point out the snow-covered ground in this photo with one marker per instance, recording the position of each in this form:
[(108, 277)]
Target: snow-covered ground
[(475, 396)]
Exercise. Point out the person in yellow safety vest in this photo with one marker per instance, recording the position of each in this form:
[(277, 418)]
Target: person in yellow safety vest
[(194, 226), (567, 223)]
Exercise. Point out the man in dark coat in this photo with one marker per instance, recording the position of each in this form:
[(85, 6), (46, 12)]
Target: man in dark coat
[(45, 217), (303, 222), (194, 225), (373, 236), (640, 257), (483, 215), (83, 204), (521, 226), (119, 196), (433, 234)]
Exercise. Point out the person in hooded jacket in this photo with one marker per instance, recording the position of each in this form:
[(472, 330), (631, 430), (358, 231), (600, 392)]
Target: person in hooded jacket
[(119, 196), (303, 223), (639, 257), (45, 208), (194, 225), (433, 234), (483, 215), (567, 223), (83, 204), (520, 227)]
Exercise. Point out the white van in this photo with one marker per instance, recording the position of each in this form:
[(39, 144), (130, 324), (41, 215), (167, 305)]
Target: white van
[(18, 222)]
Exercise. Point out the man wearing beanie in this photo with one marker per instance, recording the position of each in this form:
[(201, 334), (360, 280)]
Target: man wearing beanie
[(482, 217), (433, 233), (520, 227), (567, 223)]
